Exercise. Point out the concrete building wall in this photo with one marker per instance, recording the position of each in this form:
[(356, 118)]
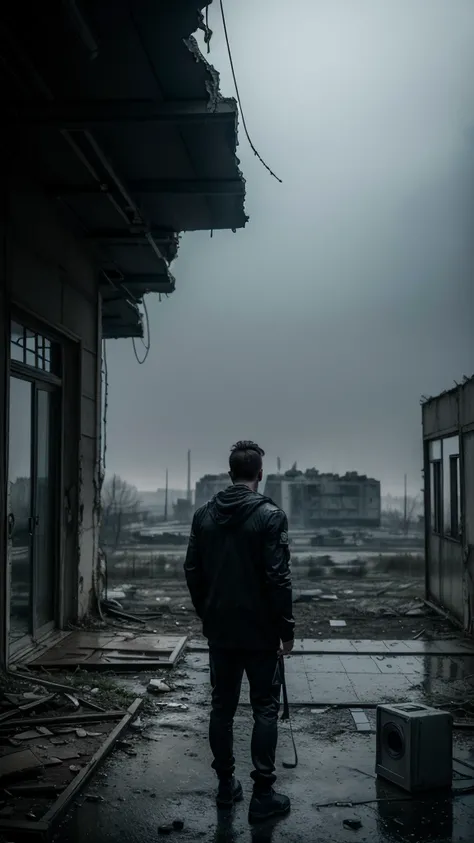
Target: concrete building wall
[(49, 281), (208, 486), (314, 500), (449, 419)]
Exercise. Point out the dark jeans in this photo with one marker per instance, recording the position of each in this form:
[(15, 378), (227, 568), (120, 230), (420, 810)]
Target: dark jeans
[(263, 673)]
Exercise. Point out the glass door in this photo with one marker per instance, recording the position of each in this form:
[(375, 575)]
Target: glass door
[(44, 550), (20, 508), (31, 511)]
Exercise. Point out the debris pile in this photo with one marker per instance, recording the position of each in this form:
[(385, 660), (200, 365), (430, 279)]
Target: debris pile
[(51, 742)]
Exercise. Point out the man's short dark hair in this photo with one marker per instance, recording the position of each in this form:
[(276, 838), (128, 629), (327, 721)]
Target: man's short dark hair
[(245, 460)]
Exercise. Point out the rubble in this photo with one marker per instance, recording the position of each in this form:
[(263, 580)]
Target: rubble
[(157, 686), (354, 825)]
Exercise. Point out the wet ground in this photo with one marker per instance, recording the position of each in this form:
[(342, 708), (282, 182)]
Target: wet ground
[(170, 779), (377, 607)]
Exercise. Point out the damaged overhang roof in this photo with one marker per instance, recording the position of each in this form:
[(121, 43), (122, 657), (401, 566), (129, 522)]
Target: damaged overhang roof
[(133, 137)]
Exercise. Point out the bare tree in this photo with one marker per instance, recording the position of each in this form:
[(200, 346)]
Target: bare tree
[(120, 504), (401, 521)]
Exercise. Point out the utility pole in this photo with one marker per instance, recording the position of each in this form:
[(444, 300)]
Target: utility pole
[(166, 496), (405, 507), (189, 478)]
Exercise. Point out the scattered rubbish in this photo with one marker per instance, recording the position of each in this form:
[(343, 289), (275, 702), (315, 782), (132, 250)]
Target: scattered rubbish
[(349, 591), (41, 789), (354, 825), (27, 736), (319, 710), (328, 597), (157, 686), (360, 719), (116, 595), (415, 612), (94, 797), (95, 691), (19, 764), (73, 700), (419, 634), (66, 754), (178, 825), (384, 589), (93, 734), (165, 829), (74, 768), (137, 724), (175, 706), (81, 733), (44, 731), (123, 744), (405, 586), (336, 623), (31, 816)]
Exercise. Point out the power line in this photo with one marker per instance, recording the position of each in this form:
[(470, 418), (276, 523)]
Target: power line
[(146, 344), (229, 51)]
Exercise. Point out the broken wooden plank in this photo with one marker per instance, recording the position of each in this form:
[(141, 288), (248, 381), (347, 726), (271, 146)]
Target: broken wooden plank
[(178, 650), (25, 826), (36, 789), (21, 763), (63, 719), (29, 706), (80, 780)]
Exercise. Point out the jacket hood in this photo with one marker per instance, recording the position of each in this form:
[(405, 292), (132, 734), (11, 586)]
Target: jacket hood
[(235, 504)]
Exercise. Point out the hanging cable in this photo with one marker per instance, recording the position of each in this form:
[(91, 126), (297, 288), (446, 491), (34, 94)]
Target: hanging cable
[(106, 406), (237, 92), (207, 37), (146, 344)]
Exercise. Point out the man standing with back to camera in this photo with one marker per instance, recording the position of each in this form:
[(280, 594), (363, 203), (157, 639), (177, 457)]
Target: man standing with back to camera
[(238, 575)]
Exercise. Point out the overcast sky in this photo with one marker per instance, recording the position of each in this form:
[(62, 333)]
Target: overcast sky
[(316, 330)]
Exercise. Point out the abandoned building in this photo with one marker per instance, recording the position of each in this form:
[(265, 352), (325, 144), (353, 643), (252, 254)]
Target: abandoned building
[(448, 435), (208, 486), (116, 139), (312, 500)]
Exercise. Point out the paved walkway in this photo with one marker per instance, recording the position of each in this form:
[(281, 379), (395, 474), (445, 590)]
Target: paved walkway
[(170, 778)]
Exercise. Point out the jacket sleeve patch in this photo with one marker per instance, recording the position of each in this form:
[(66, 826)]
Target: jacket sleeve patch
[(284, 538)]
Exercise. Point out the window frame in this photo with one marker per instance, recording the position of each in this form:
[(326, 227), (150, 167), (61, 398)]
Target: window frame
[(436, 496)]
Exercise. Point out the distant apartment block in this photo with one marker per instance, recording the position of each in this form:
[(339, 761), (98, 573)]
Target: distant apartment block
[(208, 486), (313, 500)]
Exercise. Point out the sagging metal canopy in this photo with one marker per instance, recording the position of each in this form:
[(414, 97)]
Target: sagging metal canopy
[(134, 138)]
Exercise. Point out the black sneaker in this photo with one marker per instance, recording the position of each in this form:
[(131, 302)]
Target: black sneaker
[(266, 805), (229, 792)]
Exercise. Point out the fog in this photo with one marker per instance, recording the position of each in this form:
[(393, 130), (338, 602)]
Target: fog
[(349, 295)]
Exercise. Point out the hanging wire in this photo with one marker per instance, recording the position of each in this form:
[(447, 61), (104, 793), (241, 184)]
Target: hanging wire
[(208, 36), (229, 51), (106, 406), (146, 344)]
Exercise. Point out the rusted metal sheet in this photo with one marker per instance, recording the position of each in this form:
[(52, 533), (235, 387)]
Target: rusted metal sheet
[(109, 651)]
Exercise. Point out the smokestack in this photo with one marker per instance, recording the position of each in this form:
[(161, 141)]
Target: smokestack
[(189, 478), (278, 465), (166, 496)]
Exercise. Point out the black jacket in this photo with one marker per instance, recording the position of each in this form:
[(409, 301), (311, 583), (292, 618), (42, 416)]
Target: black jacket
[(237, 571)]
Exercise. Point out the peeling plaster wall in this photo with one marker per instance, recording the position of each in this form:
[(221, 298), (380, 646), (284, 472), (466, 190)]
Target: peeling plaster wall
[(50, 276), (450, 565)]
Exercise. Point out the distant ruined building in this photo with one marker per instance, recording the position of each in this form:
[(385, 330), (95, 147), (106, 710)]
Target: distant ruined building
[(313, 500), (208, 486)]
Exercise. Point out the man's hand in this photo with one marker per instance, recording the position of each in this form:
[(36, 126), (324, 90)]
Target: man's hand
[(286, 648)]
